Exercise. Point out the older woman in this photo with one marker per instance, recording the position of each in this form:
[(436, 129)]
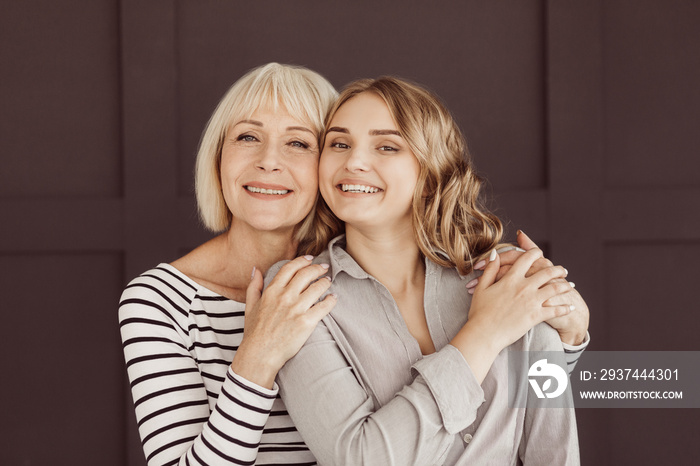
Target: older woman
[(203, 387)]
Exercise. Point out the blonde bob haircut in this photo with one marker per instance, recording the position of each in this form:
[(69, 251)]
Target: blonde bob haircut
[(450, 224), (305, 94)]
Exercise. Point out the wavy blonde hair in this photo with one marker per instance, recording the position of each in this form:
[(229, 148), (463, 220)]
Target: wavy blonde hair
[(305, 94), (448, 216)]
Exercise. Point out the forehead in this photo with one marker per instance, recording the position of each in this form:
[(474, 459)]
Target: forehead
[(273, 115), (365, 110)]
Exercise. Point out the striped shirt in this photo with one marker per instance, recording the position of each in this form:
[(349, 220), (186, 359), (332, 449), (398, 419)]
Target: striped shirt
[(179, 339)]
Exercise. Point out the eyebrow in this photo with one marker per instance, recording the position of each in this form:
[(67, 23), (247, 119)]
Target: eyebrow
[(372, 132), (384, 132), (338, 129), (289, 128)]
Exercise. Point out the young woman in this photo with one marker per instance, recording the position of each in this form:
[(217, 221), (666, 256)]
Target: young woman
[(409, 368), (202, 387)]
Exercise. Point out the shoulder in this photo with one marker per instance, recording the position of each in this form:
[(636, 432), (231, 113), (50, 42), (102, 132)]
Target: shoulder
[(322, 258), (163, 289)]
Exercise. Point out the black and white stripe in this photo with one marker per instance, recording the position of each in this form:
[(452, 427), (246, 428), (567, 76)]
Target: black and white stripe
[(179, 340)]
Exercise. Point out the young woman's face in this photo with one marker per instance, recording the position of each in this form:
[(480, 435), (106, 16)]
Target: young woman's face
[(269, 170), (367, 173)]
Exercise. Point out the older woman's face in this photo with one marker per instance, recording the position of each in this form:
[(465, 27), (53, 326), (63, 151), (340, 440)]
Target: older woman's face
[(269, 166)]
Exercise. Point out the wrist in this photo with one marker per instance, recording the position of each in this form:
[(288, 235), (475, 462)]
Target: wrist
[(255, 367), (479, 348), (572, 338)]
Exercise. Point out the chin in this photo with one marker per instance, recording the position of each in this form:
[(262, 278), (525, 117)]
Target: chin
[(358, 219), (272, 223)]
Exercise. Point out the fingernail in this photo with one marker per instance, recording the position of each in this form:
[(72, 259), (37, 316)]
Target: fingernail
[(566, 272), (480, 265), (573, 285), (520, 250), (252, 275), (335, 295), (309, 257), (470, 290), (472, 283), (572, 308), (519, 232), (329, 278), (493, 255), (325, 266)]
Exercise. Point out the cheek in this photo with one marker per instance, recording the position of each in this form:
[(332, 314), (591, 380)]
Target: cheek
[(325, 171), (306, 174)]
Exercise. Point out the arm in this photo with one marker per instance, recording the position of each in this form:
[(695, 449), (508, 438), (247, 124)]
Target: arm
[(171, 402), (342, 424), (549, 431), (171, 396)]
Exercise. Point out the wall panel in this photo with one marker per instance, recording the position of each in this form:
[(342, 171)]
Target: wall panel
[(63, 387), (652, 100), (60, 92)]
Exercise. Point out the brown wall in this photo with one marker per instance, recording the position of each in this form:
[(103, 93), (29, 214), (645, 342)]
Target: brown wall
[(583, 115)]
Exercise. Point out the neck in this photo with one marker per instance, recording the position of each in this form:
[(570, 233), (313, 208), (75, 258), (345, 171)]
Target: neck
[(392, 257), (246, 248)]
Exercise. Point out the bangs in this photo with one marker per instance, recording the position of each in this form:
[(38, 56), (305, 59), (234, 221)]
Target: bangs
[(282, 89)]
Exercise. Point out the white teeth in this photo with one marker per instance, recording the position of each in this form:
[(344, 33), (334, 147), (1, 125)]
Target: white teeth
[(253, 189), (358, 188)]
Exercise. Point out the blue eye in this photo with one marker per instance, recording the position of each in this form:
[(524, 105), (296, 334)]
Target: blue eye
[(299, 144), (246, 138)]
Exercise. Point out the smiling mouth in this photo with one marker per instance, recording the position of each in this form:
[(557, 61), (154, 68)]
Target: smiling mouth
[(276, 192), (358, 188)]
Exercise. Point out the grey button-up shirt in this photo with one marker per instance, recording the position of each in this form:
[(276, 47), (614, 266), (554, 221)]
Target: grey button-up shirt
[(361, 392)]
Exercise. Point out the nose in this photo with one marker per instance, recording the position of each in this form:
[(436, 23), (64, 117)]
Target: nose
[(270, 158), (357, 161)]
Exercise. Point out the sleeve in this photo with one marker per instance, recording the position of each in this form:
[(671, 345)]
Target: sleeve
[(342, 425), (573, 352), (549, 432), (171, 403)]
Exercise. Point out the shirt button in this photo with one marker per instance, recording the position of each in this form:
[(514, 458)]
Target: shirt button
[(467, 438)]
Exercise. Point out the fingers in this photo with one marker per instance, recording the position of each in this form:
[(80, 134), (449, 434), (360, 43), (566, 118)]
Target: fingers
[(525, 261), (556, 311), (545, 275), (288, 270), (489, 276), (297, 275), (321, 309), (509, 257), (524, 241), (553, 289), (305, 277), (314, 291), (254, 290)]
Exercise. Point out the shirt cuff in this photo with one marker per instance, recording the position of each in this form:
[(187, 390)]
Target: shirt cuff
[(453, 386), (577, 348), (253, 387)]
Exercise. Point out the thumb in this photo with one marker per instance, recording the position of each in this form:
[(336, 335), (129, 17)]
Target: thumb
[(524, 241), (254, 290), (489, 276)]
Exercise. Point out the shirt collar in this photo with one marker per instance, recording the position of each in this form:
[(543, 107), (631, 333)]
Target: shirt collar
[(341, 261)]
